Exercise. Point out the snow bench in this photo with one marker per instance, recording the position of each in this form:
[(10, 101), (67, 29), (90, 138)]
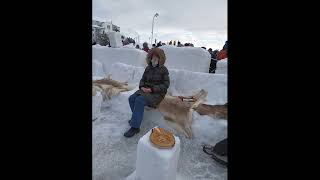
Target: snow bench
[(182, 82)]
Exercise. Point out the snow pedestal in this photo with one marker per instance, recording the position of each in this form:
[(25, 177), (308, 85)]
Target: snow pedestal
[(115, 39), (156, 164), (96, 105)]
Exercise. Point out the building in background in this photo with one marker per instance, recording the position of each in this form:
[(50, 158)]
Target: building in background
[(99, 27)]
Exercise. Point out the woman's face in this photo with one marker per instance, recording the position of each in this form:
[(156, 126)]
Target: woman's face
[(154, 61)]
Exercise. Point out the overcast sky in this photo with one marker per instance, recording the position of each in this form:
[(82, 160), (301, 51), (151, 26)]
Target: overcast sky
[(201, 22)]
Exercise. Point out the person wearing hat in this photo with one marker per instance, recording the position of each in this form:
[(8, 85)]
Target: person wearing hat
[(152, 89)]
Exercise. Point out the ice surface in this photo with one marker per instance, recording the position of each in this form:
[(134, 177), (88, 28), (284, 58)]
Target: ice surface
[(189, 58), (154, 163), (222, 67), (115, 39)]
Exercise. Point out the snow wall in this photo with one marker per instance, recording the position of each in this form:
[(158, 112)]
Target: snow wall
[(182, 82), (222, 67), (187, 58), (107, 56)]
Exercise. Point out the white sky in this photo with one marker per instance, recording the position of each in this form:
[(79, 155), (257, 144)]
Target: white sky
[(201, 22)]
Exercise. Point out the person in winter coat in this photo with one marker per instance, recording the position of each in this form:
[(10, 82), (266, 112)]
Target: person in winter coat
[(213, 63), (152, 89), (145, 47), (224, 52)]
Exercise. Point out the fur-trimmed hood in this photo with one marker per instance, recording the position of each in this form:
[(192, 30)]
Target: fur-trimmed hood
[(160, 53)]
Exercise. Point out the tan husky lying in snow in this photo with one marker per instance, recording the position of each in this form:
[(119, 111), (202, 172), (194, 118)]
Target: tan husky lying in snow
[(177, 110)]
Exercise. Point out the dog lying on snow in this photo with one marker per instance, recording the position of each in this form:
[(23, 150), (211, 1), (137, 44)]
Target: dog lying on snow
[(177, 111), (109, 87)]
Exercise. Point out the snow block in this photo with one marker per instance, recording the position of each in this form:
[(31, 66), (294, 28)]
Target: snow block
[(115, 39), (109, 56), (97, 68), (188, 58), (156, 164), (126, 73), (222, 67), (96, 105), (186, 83)]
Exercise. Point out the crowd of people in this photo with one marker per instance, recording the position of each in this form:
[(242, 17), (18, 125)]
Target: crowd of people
[(216, 55)]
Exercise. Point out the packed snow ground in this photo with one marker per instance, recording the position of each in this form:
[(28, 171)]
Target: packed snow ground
[(114, 156)]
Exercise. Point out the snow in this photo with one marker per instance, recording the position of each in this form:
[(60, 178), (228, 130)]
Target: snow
[(188, 58), (96, 105), (222, 66), (126, 73), (115, 39), (115, 156), (97, 68), (98, 45), (193, 59), (97, 26), (154, 163), (108, 56), (182, 82), (129, 46)]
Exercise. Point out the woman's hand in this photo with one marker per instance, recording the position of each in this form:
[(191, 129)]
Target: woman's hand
[(146, 90)]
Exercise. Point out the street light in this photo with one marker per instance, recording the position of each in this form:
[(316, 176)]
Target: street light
[(156, 15)]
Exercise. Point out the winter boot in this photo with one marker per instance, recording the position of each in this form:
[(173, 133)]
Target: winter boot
[(131, 132)]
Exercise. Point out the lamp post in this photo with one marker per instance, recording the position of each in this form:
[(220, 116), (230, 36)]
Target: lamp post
[(156, 15)]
